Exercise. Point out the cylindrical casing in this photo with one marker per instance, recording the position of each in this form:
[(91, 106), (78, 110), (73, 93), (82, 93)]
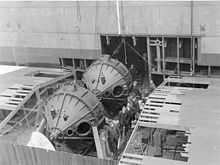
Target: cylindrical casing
[(107, 76), (72, 109)]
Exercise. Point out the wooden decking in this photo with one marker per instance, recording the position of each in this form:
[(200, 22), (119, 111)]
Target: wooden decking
[(17, 87), (193, 110)]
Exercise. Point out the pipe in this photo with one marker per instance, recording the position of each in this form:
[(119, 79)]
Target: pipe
[(41, 126), (191, 17), (118, 18)]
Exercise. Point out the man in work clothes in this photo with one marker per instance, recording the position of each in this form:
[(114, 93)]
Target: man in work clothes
[(122, 120), (113, 133), (135, 89), (133, 71)]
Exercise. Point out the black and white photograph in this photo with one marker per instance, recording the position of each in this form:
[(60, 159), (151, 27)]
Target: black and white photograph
[(110, 82)]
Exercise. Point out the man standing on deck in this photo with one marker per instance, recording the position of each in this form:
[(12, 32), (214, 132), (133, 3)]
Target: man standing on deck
[(134, 89), (113, 133), (122, 120), (133, 71)]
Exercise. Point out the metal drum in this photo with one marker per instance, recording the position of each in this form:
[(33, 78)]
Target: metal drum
[(109, 79), (72, 111), (107, 76)]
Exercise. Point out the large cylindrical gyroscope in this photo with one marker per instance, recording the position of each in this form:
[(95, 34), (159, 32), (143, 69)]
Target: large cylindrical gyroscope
[(109, 79)]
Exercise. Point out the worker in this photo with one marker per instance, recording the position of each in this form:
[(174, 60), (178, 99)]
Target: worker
[(152, 86), (122, 120), (134, 89), (130, 116), (133, 110), (135, 104), (133, 71), (113, 133), (82, 64), (129, 97), (134, 122)]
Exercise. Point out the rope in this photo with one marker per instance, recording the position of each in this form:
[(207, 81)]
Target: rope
[(99, 76), (140, 55), (117, 48), (126, 62)]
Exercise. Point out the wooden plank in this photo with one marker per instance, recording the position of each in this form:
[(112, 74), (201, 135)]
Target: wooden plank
[(164, 126), (2, 124), (22, 91), (150, 115), (20, 95), (3, 99), (8, 92), (152, 96), (168, 120), (154, 105), (148, 119), (30, 87), (158, 161), (132, 161), (15, 99), (16, 86), (133, 155), (172, 107), (13, 102), (159, 94), (191, 80), (97, 143), (150, 107), (161, 112), (7, 107)]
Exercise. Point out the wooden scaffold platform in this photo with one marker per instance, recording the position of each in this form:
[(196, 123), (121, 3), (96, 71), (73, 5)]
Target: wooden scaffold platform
[(186, 109), (21, 86)]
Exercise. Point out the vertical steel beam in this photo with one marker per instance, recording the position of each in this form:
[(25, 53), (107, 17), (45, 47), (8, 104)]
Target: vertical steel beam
[(158, 58), (62, 63), (85, 64), (178, 57), (73, 62), (209, 71), (74, 69), (163, 56), (198, 55), (149, 58), (193, 56)]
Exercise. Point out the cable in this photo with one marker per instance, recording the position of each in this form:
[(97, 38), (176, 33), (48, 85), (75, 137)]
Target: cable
[(126, 62), (99, 76), (140, 55), (117, 49)]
